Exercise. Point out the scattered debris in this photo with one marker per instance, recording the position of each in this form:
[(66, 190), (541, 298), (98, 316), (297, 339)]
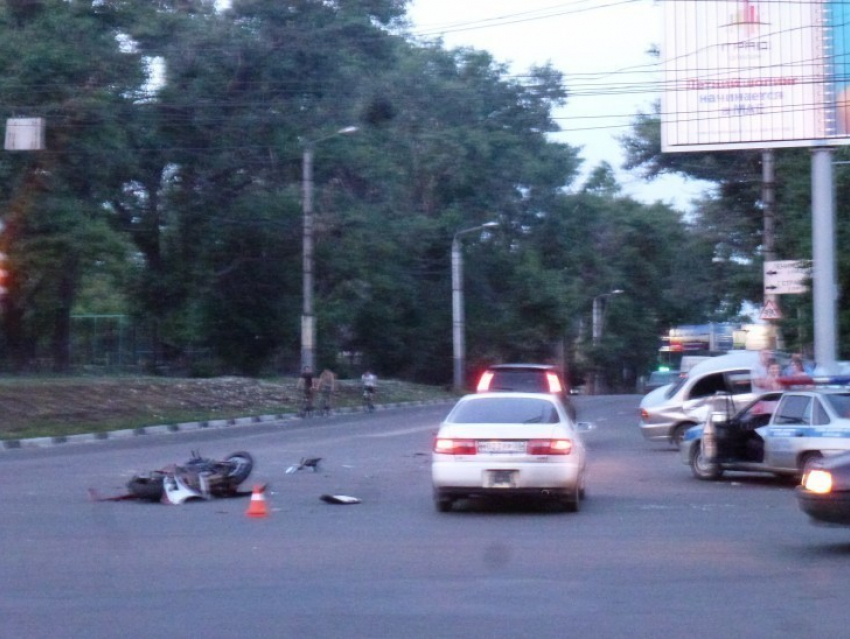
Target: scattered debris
[(199, 478), (95, 496), (175, 491), (339, 499), (306, 462)]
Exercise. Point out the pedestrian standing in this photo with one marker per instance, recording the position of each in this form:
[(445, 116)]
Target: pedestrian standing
[(306, 384), (327, 385)]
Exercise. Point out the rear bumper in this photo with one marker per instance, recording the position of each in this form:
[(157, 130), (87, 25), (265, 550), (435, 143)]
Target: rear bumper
[(466, 477)]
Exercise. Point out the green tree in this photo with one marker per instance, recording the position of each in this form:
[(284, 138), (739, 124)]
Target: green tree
[(729, 222), (64, 62)]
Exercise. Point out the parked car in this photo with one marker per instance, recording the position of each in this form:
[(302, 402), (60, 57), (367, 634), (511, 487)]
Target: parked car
[(526, 378), (783, 433), (668, 412), (824, 493), (657, 379), (499, 444)]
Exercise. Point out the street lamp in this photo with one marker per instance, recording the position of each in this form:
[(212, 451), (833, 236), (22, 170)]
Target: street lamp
[(459, 347), (598, 313), (308, 320), (598, 319)]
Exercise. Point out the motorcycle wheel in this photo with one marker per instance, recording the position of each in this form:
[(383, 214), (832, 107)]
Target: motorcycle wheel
[(242, 464), (148, 487)]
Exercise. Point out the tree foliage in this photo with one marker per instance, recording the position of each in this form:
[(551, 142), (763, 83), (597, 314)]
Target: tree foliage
[(728, 222), (171, 190)]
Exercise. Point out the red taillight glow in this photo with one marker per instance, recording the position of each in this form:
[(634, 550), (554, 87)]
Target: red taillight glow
[(643, 414), (455, 446), (484, 382), (554, 383), (550, 447)]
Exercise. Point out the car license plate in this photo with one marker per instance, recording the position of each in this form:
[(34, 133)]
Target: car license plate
[(501, 479), (501, 447)]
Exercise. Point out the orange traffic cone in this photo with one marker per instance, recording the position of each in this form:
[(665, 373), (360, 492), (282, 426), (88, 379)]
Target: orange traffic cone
[(257, 507)]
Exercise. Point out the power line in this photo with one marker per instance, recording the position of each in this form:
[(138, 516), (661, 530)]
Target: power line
[(561, 9)]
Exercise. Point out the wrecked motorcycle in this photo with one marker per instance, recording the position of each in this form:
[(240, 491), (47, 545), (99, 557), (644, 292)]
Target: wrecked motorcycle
[(200, 477)]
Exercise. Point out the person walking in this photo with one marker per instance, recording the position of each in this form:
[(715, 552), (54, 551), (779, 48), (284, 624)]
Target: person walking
[(327, 386), (306, 383), (369, 383)]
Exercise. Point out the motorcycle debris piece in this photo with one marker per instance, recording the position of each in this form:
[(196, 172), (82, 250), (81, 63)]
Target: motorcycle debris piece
[(339, 499), (95, 496), (306, 462), (176, 491)]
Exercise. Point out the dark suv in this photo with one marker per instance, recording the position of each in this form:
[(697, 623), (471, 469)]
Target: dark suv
[(526, 378)]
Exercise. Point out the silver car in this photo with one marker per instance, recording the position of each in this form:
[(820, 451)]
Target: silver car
[(668, 412)]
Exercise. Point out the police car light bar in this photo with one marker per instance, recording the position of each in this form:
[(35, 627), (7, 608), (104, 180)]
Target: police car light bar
[(815, 380)]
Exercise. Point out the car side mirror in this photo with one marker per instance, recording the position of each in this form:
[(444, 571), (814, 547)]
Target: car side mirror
[(585, 426)]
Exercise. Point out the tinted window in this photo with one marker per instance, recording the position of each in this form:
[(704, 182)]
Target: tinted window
[(505, 410), (524, 381), (708, 386), (794, 410)]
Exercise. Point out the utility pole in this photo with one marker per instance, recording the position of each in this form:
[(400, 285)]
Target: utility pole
[(768, 200)]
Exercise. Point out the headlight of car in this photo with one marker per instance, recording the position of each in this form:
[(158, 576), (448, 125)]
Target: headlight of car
[(818, 481)]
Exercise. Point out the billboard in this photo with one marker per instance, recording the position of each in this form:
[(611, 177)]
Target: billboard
[(701, 338), (746, 74)]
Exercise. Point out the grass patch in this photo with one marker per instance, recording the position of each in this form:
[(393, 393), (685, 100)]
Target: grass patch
[(61, 406)]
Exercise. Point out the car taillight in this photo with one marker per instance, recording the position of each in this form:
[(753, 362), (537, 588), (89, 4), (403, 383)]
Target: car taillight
[(445, 446), (550, 447), (554, 383), (484, 382), (818, 481), (643, 414)]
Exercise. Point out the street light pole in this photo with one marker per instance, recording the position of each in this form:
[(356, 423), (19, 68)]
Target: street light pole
[(598, 320), (458, 328), (308, 319)]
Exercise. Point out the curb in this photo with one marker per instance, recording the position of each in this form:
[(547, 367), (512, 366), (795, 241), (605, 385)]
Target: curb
[(185, 427)]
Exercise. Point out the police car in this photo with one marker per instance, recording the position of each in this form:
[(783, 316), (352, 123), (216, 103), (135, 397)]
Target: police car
[(783, 433)]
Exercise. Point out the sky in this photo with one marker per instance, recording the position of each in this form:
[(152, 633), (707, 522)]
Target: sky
[(601, 48)]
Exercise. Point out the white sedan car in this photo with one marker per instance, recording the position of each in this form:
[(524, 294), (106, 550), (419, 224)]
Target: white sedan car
[(509, 444)]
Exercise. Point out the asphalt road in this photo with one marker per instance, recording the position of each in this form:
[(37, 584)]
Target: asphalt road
[(653, 552)]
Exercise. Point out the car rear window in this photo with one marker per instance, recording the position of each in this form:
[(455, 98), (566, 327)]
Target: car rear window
[(523, 381), (504, 410)]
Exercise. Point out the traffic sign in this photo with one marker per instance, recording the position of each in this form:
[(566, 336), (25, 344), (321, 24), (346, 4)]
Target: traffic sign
[(770, 311), (786, 277)]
